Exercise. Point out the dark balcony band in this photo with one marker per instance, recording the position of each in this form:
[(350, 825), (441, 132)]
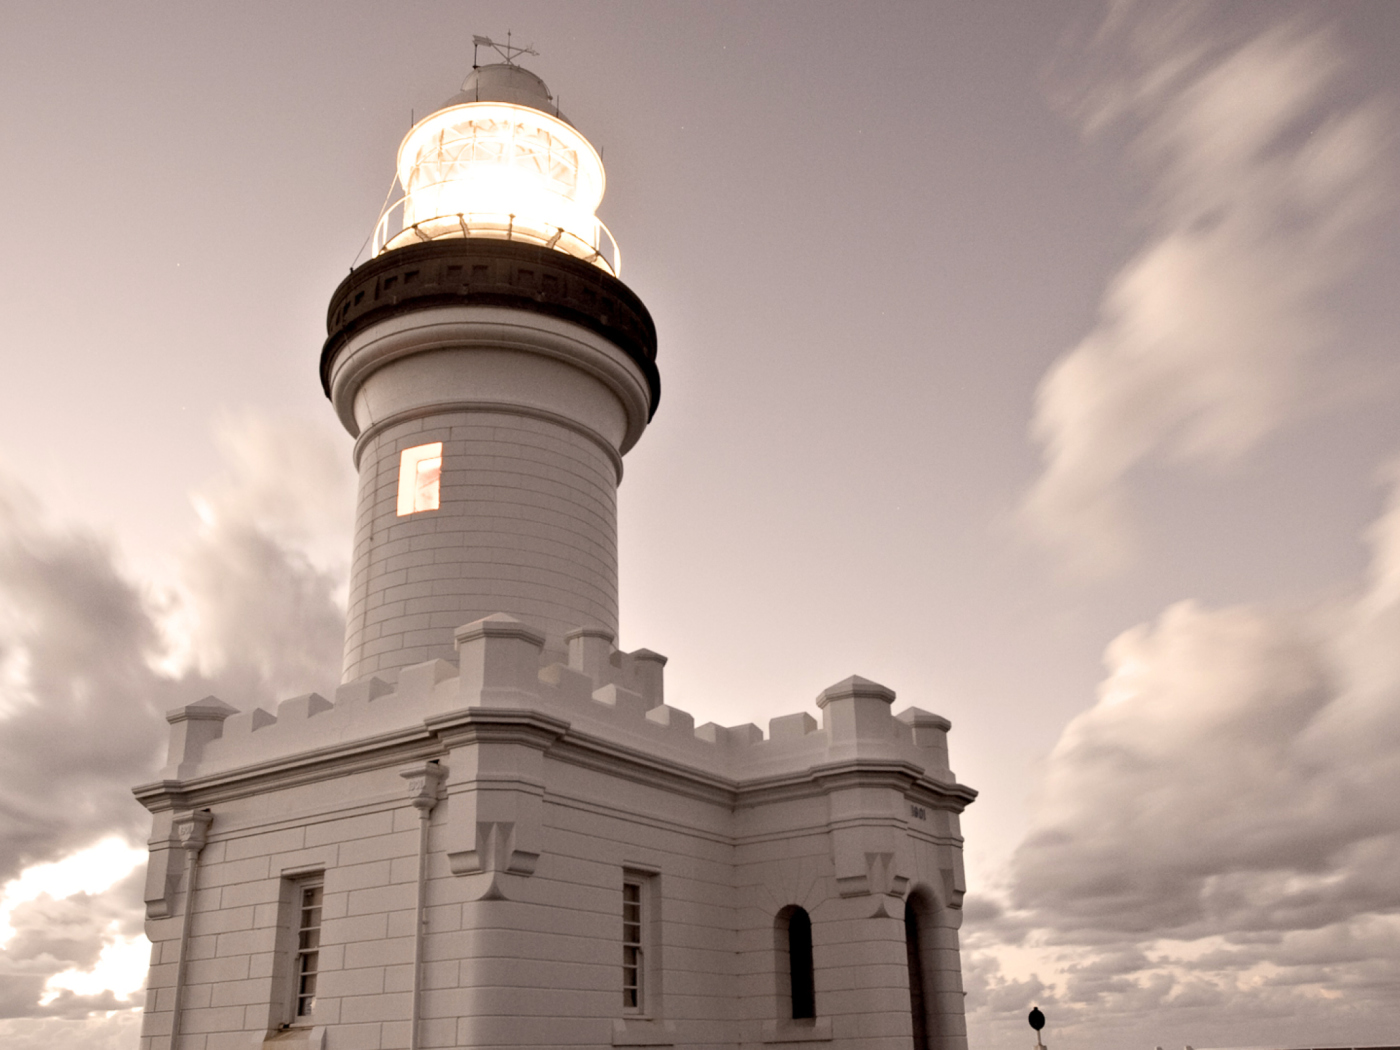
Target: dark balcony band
[(481, 271)]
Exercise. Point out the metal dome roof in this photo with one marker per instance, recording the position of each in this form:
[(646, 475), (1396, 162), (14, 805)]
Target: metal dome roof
[(506, 82)]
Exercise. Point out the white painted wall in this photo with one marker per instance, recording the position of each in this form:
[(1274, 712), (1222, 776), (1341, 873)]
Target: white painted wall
[(557, 784)]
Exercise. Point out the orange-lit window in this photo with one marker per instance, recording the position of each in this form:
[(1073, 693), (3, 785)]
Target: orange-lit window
[(420, 478)]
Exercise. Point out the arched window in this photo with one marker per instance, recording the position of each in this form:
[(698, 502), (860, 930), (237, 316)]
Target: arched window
[(804, 992), (917, 1002), (793, 944)]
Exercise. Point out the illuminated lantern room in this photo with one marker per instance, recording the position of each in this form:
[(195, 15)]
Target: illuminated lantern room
[(499, 160)]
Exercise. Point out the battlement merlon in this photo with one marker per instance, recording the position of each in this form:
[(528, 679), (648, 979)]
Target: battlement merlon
[(603, 701)]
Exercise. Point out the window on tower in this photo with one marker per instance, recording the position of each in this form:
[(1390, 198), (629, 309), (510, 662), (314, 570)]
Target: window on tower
[(420, 478)]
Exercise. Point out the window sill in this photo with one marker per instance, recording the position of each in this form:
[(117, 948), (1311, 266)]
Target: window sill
[(807, 1030), (313, 1038), (643, 1031)]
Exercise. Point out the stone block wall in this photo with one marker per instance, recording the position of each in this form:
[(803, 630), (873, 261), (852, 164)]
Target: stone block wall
[(527, 524), (551, 787)]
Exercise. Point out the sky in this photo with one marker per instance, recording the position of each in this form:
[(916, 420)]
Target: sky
[(1036, 360)]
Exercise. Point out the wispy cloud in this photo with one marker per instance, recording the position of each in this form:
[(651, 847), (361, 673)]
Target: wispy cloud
[(1212, 849), (260, 579), (1263, 178)]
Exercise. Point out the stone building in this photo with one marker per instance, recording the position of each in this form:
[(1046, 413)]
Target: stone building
[(495, 832)]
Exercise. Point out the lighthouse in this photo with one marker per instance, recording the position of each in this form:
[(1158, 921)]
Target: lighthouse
[(493, 371), (494, 831)]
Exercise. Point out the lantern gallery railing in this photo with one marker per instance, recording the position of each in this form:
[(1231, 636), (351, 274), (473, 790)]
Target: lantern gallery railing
[(601, 249)]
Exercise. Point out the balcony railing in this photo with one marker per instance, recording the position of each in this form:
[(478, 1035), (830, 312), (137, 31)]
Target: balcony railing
[(600, 249)]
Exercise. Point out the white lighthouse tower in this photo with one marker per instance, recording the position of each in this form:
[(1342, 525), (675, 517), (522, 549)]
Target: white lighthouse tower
[(493, 371), (494, 832)]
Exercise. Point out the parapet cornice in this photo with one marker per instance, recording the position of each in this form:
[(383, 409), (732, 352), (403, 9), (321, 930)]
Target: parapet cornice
[(899, 774), (381, 751), (436, 736), (475, 725)]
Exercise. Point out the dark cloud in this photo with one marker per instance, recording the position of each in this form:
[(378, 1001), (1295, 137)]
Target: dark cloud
[(82, 707), (86, 678)]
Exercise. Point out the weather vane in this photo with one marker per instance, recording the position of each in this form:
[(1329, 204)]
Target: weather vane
[(507, 51)]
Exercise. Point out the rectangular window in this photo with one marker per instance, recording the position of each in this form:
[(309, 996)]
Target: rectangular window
[(633, 946), (420, 478), (296, 964), (306, 964)]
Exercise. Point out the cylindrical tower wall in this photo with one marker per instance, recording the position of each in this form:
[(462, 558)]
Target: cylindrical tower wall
[(493, 388), (526, 525)]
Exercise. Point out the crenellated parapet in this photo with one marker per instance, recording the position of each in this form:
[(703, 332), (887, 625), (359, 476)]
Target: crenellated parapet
[(602, 698)]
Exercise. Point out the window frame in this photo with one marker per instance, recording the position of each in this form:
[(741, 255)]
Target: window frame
[(647, 883), (300, 970), (634, 953), (916, 934), (293, 951), (796, 994), (802, 978), (410, 491)]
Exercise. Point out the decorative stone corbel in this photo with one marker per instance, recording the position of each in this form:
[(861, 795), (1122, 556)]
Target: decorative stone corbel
[(493, 828), (495, 794), (954, 881), (865, 860), (865, 809), (162, 873), (496, 855), (174, 842), (497, 743)]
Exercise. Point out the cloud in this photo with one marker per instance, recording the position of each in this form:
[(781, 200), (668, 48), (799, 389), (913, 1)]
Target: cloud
[(261, 578), (87, 673), (89, 871), (73, 953), (1263, 180), (119, 1031), (1221, 829), (81, 706), (1211, 858)]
